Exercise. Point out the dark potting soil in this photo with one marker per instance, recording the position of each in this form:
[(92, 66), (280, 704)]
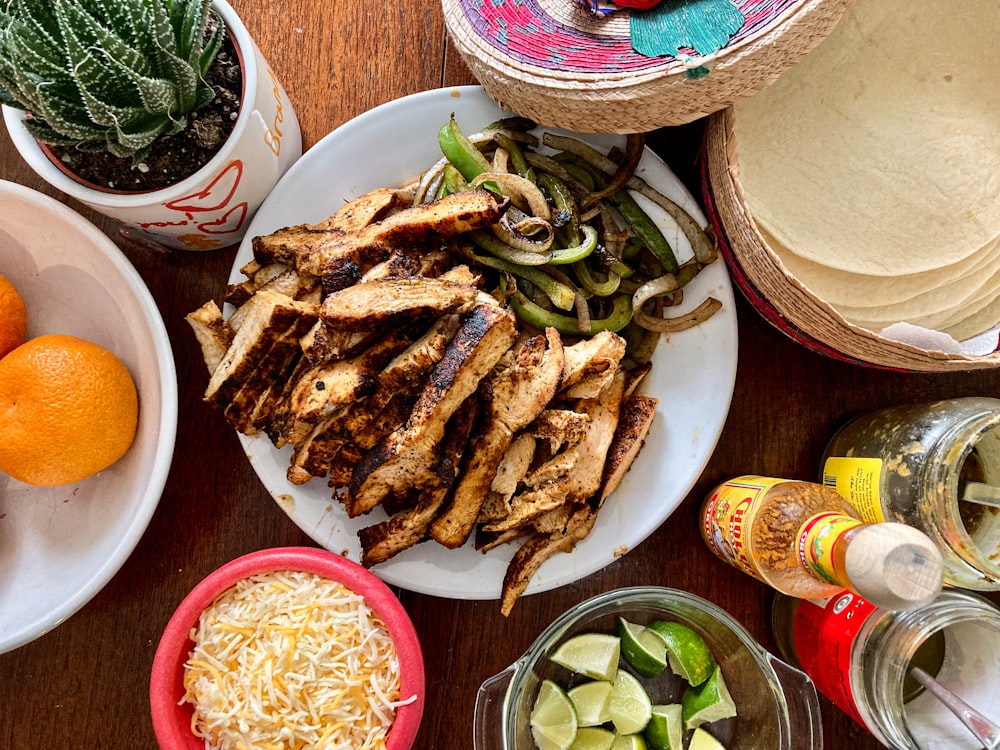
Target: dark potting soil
[(177, 156)]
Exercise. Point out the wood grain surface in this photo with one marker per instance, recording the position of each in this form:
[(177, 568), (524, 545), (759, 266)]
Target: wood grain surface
[(85, 684)]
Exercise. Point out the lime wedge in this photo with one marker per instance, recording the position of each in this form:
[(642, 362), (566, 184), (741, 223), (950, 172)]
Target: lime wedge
[(553, 719), (590, 699), (629, 705), (687, 653), (593, 738), (708, 702), (702, 740), (629, 742), (665, 730), (593, 655), (642, 649)]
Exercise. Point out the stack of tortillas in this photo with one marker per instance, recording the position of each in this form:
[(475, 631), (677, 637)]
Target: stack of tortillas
[(859, 195)]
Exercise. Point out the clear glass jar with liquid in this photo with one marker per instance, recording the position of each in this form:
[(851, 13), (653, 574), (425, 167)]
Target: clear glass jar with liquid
[(859, 657), (934, 466)]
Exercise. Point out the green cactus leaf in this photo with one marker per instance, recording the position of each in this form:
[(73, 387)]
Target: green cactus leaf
[(205, 95), (163, 31), (31, 45), (185, 77), (41, 131), (116, 19), (211, 49), (190, 20), (114, 47)]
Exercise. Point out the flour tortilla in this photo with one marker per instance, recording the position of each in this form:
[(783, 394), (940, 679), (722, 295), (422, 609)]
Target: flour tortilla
[(843, 288), (980, 314), (985, 319), (938, 317), (879, 153)]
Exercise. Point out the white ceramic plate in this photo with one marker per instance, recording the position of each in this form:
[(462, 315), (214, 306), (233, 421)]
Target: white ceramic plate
[(59, 546), (693, 375)]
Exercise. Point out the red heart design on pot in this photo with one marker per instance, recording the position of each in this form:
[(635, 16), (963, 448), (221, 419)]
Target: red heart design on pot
[(228, 222), (215, 195)]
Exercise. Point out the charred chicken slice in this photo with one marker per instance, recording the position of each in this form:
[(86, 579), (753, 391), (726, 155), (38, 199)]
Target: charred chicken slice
[(403, 460), (407, 528), (515, 395), (382, 303), (327, 251), (262, 350)]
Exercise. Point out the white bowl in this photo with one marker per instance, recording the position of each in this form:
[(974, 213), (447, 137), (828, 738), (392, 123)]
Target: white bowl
[(59, 546)]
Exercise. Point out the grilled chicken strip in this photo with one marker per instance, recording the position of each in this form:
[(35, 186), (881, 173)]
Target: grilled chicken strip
[(362, 211), (256, 277), (559, 427), (573, 475), (263, 351), (327, 251), (212, 333), (325, 344), (382, 412), (633, 425), (591, 363), (404, 459), (514, 396), (281, 245), (320, 389), (539, 548), (403, 530), (512, 469), (388, 302)]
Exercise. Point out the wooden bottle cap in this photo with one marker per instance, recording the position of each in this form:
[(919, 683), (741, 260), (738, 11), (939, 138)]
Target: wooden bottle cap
[(894, 566)]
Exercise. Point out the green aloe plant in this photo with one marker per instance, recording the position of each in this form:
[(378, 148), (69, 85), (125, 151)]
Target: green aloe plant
[(110, 75)]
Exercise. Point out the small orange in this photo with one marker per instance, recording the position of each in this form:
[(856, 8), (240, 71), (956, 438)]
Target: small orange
[(68, 409), (13, 317)]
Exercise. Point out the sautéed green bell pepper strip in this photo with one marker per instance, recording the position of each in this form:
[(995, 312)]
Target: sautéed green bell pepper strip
[(538, 317), (576, 238), (462, 152)]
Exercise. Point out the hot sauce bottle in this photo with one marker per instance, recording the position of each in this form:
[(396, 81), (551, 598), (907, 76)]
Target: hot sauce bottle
[(806, 541)]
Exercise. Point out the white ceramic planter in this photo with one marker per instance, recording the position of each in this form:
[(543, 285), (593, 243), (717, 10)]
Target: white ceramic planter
[(213, 207)]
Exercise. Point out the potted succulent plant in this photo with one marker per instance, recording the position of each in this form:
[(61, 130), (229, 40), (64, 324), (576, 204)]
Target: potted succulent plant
[(101, 97)]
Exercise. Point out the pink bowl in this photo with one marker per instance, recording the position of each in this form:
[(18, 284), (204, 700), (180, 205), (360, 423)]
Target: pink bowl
[(172, 720)]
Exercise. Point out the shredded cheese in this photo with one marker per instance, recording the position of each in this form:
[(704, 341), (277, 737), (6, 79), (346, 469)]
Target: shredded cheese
[(291, 661)]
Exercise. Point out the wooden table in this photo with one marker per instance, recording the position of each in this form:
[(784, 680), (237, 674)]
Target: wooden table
[(84, 685)]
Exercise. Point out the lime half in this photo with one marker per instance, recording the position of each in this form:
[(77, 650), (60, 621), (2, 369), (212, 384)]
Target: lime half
[(702, 740), (590, 699), (593, 738), (708, 702), (553, 718), (629, 705), (687, 653), (665, 730), (643, 650), (593, 655)]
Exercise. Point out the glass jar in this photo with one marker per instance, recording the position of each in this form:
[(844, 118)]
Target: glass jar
[(859, 656), (915, 464)]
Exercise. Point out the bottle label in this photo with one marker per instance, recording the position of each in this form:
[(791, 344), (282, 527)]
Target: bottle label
[(857, 480), (826, 633), (817, 542), (727, 518)]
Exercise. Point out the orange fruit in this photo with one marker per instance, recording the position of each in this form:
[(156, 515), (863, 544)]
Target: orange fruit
[(68, 409), (13, 317)]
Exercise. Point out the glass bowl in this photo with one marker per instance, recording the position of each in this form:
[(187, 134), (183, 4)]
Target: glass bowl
[(777, 704)]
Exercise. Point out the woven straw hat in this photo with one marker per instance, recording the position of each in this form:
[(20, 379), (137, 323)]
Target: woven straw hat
[(778, 295), (543, 59)]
